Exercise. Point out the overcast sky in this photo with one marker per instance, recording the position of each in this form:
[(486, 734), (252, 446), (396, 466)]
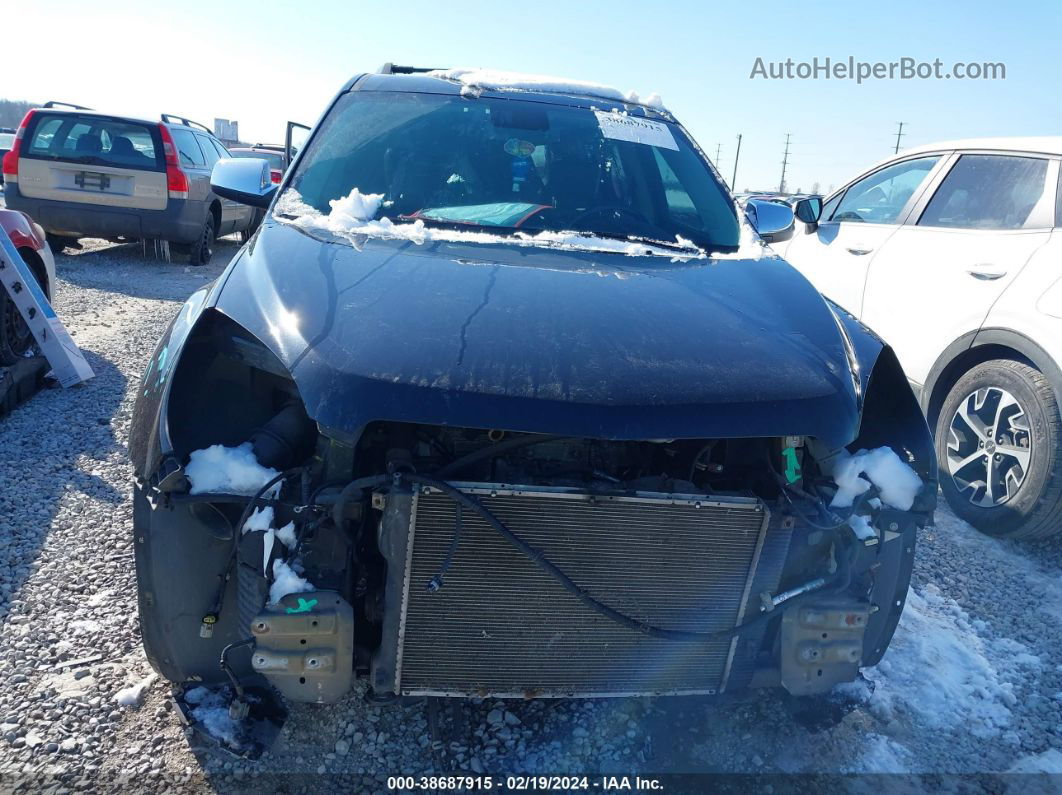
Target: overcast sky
[(263, 63)]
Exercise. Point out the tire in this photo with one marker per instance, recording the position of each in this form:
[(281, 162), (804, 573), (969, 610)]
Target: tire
[(256, 221), (15, 337), (60, 244), (1007, 484), (203, 249)]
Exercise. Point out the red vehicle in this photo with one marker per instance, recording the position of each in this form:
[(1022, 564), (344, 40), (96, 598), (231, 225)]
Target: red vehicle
[(29, 239)]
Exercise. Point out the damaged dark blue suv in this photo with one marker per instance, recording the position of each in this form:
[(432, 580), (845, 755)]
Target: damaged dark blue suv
[(506, 398)]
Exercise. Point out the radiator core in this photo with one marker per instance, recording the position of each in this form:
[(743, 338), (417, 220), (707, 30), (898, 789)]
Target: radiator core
[(501, 626)]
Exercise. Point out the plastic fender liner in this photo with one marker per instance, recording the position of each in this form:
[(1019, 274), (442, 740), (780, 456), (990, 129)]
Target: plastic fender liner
[(890, 414), (894, 564), (891, 417), (176, 552)]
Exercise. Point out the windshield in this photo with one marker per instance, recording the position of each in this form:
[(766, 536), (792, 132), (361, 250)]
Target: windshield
[(94, 140), (276, 160), (509, 165), (6, 139)]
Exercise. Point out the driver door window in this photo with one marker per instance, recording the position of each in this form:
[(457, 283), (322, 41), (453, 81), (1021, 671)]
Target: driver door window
[(881, 197)]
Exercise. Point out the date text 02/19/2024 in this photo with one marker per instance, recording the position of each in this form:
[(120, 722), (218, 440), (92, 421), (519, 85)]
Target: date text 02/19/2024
[(518, 783)]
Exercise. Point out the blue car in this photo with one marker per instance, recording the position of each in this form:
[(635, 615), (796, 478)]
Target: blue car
[(507, 398)]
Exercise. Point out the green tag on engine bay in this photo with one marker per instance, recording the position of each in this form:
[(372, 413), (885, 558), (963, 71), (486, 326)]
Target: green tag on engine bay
[(792, 465), (304, 606)]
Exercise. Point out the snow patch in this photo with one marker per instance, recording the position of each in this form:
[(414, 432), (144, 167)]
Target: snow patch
[(228, 470), (348, 218), (211, 709), (196, 695), (496, 80), (939, 671), (897, 482), (286, 581), (267, 550), (1050, 761), (261, 519), (862, 528), (881, 754), (286, 535), (132, 696)]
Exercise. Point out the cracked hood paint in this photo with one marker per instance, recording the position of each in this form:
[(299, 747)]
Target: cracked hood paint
[(544, 340)]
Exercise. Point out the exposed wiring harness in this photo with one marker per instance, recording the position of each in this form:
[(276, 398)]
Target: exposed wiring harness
[(495, 450), (211, 617), (841, 578), (224, 663)]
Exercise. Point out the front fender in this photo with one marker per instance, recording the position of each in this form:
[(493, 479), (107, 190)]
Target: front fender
[(890, 414), (148, 436)]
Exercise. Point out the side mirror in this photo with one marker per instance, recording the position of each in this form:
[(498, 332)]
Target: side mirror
[(809, 211), (244, 180), (770, 220)]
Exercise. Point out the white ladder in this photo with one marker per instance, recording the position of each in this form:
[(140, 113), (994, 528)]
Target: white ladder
[(68, 364)]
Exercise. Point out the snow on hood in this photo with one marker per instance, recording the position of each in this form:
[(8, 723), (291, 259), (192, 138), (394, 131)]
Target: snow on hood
[(495, 80), (351, 216)]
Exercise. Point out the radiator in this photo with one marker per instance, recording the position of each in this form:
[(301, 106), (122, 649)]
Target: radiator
[(501, 626)]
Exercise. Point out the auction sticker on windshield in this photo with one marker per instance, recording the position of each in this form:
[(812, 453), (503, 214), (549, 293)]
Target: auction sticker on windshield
[(622, 127)]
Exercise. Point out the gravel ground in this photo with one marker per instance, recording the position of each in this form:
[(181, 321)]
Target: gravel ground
[(972, 683)]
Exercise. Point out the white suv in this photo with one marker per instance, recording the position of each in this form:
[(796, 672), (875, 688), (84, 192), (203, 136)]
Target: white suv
[(952, 253)]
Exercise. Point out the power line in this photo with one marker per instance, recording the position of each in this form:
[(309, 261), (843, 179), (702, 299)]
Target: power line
[(899, 134), (785, 163), (737, 154)]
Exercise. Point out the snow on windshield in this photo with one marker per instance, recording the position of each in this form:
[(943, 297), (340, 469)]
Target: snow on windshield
[(488, 79), (352, 215)]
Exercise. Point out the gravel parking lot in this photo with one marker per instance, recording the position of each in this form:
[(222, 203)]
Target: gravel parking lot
[(972, 683)]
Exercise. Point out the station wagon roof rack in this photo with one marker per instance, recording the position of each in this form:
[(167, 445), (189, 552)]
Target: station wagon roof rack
[(51, 103), (171, 118), (395, 69)]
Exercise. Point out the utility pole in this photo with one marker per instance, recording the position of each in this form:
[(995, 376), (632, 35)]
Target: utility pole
[(718, 149), (737, 154), (899, 134), (785, 162)]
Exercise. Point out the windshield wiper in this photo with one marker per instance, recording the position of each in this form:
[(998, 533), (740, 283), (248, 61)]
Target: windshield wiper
[(507, 231), (648, 241)]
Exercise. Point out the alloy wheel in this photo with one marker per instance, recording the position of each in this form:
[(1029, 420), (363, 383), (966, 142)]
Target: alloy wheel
[(989, 447)]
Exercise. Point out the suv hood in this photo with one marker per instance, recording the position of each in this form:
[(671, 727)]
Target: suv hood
[(544, 340)]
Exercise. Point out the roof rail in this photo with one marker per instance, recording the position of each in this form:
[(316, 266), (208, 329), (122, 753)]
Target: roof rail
[(55, 104), (395, 69), (171, 118)]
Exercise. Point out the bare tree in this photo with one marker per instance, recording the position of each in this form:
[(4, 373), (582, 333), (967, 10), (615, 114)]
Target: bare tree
[(12, 111)]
